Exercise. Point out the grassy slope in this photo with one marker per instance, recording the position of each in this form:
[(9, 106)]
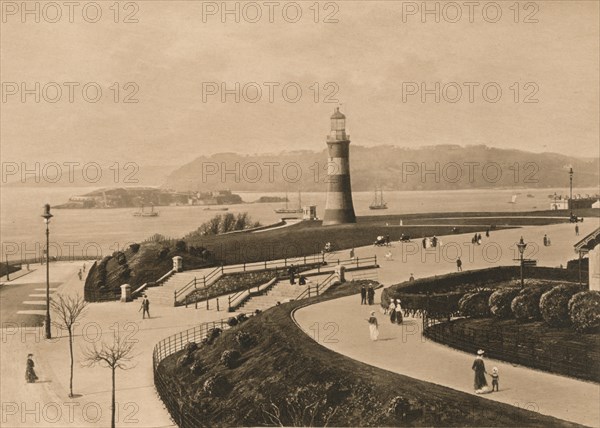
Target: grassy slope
[(286, 359)]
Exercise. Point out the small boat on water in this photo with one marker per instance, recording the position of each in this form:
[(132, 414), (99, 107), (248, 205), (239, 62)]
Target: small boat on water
[(142, 213), (513, 199), (216, 209), (378, 202), (287, 210), (529, 195)]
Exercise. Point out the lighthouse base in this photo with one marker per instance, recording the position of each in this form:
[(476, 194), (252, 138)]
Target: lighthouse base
[(339, 216)]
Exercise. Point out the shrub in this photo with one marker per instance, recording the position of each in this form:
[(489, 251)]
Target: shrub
[(232, 322), (184, 360), (245, 339), (526, 305), (554, 305), (196, 367), (181, 246), (215, 386), (190, 348), (213, 334), (407, 409), (134, 248), (500, 301), (230, 358), (584, 311), (475, 304), (241, 318)]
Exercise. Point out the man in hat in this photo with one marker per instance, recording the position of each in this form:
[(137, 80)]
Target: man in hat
[(145, 308)]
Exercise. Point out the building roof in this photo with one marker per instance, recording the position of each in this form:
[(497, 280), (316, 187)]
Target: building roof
[(337, 114), (589, 242)]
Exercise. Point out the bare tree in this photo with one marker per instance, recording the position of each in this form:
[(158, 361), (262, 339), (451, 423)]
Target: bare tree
[(68, 310), (118, 355)]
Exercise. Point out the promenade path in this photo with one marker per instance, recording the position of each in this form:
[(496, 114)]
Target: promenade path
[(402, 349), (46, 403)]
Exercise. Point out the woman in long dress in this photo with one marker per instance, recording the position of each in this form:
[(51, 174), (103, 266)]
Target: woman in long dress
[(373, 326), (398, 312), (30, 375), (392, 311), (480, 382)]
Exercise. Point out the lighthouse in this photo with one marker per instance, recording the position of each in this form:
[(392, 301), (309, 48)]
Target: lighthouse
[(339, 208)]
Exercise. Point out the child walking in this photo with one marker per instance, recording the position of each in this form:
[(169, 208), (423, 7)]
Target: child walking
[(495, 379)]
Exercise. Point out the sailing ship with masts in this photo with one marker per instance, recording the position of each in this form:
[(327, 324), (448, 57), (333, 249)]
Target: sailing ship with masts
[(378, 202), (142, 213), (288, 210)]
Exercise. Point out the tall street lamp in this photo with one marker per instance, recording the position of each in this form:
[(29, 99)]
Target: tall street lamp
[(571, 191), (47, 216), (521, 246)]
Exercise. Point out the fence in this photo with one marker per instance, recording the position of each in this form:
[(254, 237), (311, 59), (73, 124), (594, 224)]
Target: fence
[(167, 347), (514, 346), (213, 276)]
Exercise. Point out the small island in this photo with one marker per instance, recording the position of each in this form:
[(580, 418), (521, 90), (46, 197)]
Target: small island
[(271, 199), (130, 197)]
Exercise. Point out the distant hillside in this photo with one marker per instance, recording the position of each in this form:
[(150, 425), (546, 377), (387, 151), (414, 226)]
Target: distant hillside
[(442, 167)]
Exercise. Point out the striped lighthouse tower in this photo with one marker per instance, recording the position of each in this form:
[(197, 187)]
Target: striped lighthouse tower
[(339, 208)]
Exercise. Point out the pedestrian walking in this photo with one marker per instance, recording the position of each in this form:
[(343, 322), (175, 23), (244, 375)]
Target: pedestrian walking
[(424, 242), (27, 267), (363, 295), (545, 240), (459, 264), (398, 310), (80, 275), (412, 278), (495, 380), (576, 230), (480, 383), (487, 233), (371, 295), (30, 375), (352, 253), (373, 326), (292, 274), (84, 268), (145, 308)]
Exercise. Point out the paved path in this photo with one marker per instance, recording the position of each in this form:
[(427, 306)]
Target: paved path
[(402, 349), (46, 403)]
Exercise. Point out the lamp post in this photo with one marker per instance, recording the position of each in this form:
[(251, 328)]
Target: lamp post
[(47, 216), (571, 191), (521, 246)]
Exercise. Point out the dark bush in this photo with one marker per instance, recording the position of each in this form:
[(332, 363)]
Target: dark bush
[(584, 311), (196, 367), (245, 339), (121, 258), (163, 253), (407, 409), (241, 318), (213, 334), (230, 358), (500, 301), (134, 248), (215, 386), (475, 304), (181, 246), (526, 305), (232, 322), (554, 305), (190, 348), (184, 360)]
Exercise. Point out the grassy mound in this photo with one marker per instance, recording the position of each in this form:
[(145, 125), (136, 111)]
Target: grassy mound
[(283, 377)]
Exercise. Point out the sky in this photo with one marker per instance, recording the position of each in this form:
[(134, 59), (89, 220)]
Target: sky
[(374, 62)]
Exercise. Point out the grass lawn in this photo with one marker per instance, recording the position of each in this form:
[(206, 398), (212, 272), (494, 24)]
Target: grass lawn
[(289, 379)]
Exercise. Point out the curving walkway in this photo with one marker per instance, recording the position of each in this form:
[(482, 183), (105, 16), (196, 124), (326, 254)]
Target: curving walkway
[(403, 350)]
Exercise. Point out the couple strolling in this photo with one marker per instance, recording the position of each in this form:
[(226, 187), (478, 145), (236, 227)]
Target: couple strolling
[(395, 311), (480, 383)]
